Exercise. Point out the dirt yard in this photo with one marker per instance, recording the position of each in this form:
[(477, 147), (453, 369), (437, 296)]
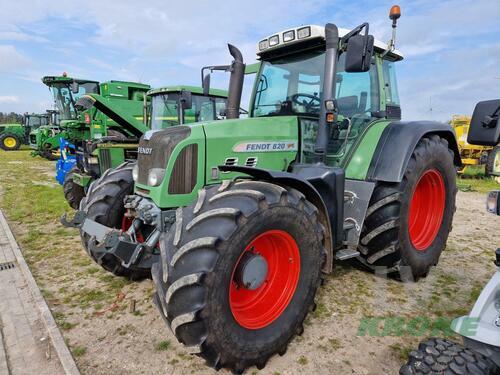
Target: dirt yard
[(363, 324)]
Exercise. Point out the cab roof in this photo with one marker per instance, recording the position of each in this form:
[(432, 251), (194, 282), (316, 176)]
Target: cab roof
[(193, 89), (315, 32)]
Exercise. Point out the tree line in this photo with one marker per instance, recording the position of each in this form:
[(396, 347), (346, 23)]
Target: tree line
[(11, 117)]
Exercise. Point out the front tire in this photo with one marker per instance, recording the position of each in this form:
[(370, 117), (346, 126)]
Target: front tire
[(9, 142), (104, 204), (407, 223), (73, 193), (201, 280)]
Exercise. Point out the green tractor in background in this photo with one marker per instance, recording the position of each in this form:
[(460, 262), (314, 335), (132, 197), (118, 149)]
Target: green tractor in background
[(78, 126), (12, 136), (248, 214), (43, 140), (164, 107)]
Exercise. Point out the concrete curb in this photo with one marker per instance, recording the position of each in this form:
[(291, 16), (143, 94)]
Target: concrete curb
[(63, 353)]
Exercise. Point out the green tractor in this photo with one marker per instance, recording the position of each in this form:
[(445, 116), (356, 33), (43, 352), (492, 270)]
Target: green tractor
[(44, 140), (164, 107), (12, 136), (249, 214)]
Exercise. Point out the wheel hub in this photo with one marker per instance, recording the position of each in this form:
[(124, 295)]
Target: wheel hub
[(251, 271)]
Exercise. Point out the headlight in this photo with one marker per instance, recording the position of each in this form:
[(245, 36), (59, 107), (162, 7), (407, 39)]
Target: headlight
[(155, 176), (92, 160), (263, 44), (274, 40), (289, 36), (304, 32), (492, 202), (135, 172)]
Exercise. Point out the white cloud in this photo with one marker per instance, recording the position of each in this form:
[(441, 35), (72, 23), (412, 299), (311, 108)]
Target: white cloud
[(11, 60), (9, 99)]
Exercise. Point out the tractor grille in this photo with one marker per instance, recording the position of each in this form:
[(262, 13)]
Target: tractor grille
[(183, 178), (104, 159), (155, 152)]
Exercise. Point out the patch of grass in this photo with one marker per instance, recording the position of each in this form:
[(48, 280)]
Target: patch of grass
[(302, 360), (79, 351), (163, 346), (402, 352), (335, 343), (482, 185)]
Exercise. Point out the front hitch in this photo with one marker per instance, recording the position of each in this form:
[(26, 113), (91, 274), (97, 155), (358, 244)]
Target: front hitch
[(77, 220)]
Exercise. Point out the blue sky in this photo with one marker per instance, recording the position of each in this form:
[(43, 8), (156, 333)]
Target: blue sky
[(451, 48)]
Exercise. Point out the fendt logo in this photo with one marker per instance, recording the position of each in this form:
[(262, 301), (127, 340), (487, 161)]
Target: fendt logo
[(145, 150)]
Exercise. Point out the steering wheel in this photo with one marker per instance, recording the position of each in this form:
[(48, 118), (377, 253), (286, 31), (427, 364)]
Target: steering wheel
[(313, 100)]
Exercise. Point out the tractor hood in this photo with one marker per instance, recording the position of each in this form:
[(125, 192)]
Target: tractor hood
[(114, 111), (186, 158)]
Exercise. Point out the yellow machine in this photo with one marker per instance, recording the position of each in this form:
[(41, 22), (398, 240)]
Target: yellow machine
[(471, 154)]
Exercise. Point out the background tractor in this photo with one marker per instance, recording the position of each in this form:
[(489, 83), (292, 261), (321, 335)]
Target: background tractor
[(163, 108), (43, 140), (250, 213), (480, 330), (79, 126), (473, 155), (12, 136)]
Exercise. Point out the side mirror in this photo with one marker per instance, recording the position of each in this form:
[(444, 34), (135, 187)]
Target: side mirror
[(359, 53), (186, 99), (75, 87), (485, 124), (206, 84)]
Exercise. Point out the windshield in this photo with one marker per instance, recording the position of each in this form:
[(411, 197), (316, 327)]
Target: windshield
[(293, 85), (35, 121), (164, 110), (65, 99)]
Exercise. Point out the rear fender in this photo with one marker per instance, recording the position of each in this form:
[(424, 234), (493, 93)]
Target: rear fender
[(396, 146)]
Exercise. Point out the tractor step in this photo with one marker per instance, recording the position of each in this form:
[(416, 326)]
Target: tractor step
[(344, 254)]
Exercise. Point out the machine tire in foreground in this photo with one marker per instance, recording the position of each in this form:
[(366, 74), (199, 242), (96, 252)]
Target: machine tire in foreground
[(407, 223), (104, 204), (439, 356), (73, 193), (9, 142), (493, 161), (239, 272)]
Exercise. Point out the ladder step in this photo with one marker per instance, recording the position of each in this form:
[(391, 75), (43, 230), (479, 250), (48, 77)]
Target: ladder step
[(344, 254)]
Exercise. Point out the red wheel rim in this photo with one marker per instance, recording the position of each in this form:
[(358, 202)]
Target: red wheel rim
[(255, 309), (126, 223), (426, 209)]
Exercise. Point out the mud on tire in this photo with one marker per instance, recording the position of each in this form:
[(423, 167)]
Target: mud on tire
[(73, 193), (440, 356), (104, 204), (385, 242), (493, 156), (194, 278)]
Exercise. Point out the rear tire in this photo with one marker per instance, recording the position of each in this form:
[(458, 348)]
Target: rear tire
[(197, 292), (104, 204), (9, 142), (73, 193), (407, 223), (440, 356), (493, 161)]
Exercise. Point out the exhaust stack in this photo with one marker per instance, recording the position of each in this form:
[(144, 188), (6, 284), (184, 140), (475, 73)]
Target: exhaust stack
[(328, 107), (237, 70)]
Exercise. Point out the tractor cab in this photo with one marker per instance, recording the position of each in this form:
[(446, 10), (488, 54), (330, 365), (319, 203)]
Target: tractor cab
[(292, 79), (177, 105), (66, 91)]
